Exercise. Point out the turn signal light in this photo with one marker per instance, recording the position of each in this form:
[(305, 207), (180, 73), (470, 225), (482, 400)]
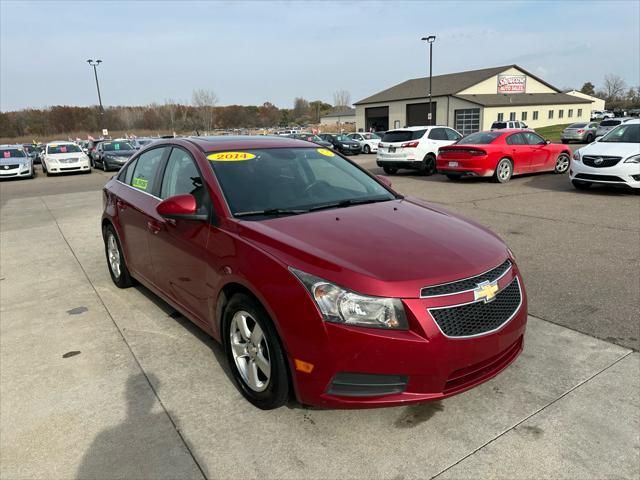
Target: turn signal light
[(303, 366)]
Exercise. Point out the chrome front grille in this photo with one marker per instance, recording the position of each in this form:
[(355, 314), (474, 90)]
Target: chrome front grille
[(600, 161), (466, 284), (479, 317)]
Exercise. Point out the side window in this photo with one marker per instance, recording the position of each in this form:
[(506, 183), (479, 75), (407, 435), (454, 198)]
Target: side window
[(438, 134), (516, 139), (144, 172), (534, 139), (452, 134), (124, 175), (182, 176)]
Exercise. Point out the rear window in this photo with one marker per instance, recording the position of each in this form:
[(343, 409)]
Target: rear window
[(610, 123), (479, 138), (12, 153), (403, 135), (577, 125), (499, 125)]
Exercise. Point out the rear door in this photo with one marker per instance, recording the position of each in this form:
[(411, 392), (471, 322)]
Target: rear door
[(520, 152), (179, 247), (136, 205)]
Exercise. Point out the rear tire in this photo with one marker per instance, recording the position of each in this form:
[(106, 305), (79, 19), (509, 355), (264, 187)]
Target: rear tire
[(589, 138), (504, 171), (390, 170), (577, 184), (254, 352), (115, 259), (565, 141)]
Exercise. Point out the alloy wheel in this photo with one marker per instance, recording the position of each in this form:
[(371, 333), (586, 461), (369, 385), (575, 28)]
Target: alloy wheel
[(113, 253), (504, 171), (250, 351), (562, 164)]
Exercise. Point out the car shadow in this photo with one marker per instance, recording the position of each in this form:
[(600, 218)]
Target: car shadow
[(562, 183), (203, 336)]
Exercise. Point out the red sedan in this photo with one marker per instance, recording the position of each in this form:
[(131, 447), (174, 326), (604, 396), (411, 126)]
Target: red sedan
[(501, 154), (319, 280)]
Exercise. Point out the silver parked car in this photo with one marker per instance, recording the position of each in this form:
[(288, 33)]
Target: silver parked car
[(580, 132), (14, 162), (609, 124)]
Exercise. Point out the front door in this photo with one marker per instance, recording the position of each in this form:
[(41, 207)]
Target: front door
[(520, 153), (539, 152), (179, 247)]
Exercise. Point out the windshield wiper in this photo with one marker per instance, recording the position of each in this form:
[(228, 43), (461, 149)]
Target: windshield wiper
[(270, 212), (348, 203)]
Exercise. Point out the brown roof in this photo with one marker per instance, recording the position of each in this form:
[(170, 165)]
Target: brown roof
[(522, 99), (448, 84)]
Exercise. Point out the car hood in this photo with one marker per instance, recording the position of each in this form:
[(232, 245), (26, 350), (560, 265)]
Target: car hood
[(384, 249), (120, 153), (66, 155), (613, 149)]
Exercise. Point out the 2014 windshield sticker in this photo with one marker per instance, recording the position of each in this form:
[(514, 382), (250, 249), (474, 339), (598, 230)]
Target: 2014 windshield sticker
[(326, 152), (231, 156), (140, 183)]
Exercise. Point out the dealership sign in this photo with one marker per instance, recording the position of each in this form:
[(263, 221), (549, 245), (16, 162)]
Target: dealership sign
[(512, 83)]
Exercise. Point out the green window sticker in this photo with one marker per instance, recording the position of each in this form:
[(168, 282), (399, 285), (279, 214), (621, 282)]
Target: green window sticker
[(117, 146), (140, 183)]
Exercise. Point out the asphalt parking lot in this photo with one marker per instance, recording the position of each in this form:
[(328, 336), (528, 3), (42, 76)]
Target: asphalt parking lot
[(98, 382)]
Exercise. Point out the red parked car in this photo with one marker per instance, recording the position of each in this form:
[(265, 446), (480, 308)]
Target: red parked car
[(501, 154), (319, 280)]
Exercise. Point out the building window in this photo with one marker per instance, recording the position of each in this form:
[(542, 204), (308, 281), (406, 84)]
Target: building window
[(535, 114), (512, 116), (550, 114), (500, 117), (467, 120), (560, 113), (579, 112), (570, 114), (523, 116)]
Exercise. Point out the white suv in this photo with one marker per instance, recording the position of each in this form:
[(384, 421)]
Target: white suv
[(414, 148), (613, 159)]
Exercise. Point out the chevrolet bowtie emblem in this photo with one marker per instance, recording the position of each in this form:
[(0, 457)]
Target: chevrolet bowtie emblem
[(486, 291)]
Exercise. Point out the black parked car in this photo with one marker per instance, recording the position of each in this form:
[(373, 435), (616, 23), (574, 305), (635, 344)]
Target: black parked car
[(33, 151), (112, 154), (341, 143)]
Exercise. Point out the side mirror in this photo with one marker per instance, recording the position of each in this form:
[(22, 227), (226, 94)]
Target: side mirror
[(547, 142), (384, 180), (180, 207)]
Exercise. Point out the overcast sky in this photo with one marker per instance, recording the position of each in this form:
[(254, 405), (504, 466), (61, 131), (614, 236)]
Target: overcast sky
[(252, 52)]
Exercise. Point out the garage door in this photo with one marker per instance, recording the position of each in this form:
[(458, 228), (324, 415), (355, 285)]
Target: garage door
[(376, 118), (417, 114), (467, 120)]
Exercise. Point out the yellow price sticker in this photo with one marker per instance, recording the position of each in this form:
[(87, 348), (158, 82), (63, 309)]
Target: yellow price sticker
[(140, 183), (231, 156), (326, 152)]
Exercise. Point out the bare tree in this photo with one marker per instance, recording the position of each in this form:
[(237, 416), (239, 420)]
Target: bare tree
[(614, 87), (341, 99), (205, 102)]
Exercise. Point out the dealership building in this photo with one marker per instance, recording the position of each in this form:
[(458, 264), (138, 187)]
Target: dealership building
[(472, 101)]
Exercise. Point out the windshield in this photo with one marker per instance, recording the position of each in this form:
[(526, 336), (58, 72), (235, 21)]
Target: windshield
[(402, 135), (291, 179), (111, 146), (371, 136), (66, 148), (479, 138), (610, 123), (12, 153), (625, 133)]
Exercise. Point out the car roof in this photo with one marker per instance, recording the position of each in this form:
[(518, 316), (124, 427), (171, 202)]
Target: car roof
[(229, 142), (10, 145), (413, 129), (61, 142)]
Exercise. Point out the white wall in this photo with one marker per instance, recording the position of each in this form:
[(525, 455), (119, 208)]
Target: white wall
[(598, 103)]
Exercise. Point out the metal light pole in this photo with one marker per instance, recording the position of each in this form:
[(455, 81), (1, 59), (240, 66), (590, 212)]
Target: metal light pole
[(94, 64), (430, 39)]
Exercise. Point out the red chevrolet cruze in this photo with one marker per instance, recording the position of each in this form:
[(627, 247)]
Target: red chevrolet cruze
[(318, 278), (501, 154)]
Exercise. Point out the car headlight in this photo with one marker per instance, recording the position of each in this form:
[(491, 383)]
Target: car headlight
[(345, 145), (633, 159), (576, 156), (51, 160), (339, 305)]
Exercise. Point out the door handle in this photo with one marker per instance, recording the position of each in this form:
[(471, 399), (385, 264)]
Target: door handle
[(154, 227)]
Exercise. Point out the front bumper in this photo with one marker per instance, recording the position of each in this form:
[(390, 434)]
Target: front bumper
[(59, 167), (573, 137), (19, 172), (622, 174), (113, 163), (407, 366)]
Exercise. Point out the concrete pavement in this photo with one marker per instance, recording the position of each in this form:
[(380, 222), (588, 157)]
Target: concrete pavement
[(98, 382)]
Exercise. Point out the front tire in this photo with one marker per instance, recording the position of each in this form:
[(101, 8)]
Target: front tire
[(562, 164), (504, 171), (366, 150), (577, 184), (115, 259), (254, 352), (390, 170), (428, 165)]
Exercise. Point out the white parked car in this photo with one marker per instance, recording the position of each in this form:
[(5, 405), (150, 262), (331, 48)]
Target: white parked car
[(368, 141), (414, 148), (62, 157), (15, 162), (613, 159), (508, 124)]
